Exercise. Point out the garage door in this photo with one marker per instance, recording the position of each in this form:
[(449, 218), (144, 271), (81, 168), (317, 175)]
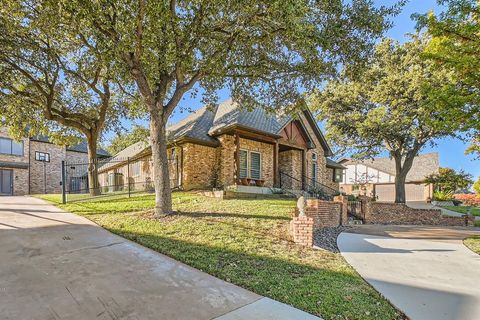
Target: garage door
[(386, 192)]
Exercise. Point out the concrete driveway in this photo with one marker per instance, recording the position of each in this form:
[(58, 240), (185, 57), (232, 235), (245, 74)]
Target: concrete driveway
[(426, 272), (56, 265)]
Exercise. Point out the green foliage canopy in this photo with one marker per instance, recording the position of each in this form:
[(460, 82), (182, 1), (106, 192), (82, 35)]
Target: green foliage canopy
[(391, 105), (449, 180), (455, 44)]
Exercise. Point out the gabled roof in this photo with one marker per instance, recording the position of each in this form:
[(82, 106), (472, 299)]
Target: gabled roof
[(229, 114), (194, 127), (80, 147), (203, 125), (423, 165)]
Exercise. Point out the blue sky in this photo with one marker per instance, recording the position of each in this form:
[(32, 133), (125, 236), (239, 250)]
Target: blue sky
[(451, 151)]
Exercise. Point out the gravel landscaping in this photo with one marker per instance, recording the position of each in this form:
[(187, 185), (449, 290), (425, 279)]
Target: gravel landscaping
[(326, 238)]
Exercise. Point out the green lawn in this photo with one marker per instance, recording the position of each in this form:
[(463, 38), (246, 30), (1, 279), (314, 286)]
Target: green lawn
[(246, 243), (464, 209), (473, 243)]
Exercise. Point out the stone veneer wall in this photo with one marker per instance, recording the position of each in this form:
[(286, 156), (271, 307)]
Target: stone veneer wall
[(199, 166), (226, 164), (398, 213), (290, 162), (20, 175), (266, 151), (322, 174), (45, 177), (329, 179)]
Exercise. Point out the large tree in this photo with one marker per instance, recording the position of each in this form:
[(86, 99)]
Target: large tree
[(455, 44), (389, 107), (54, 80), (265, 52)]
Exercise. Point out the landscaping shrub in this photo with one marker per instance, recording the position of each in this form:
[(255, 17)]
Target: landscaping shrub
[(468, 199), (442, 195)]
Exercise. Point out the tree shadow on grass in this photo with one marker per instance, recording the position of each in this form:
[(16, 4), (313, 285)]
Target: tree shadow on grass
[(327, 291), (194, 214)]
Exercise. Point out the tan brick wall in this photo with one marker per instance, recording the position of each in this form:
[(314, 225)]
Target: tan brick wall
[(226, 165), (76, 157), (266, 151), (45, 177), (20, 182), (19, 176), (199, 165), (324, 213), (322, 169), (301, 229), (290, 163)]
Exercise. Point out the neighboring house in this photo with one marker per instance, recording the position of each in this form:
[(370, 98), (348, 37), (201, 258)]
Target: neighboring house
[(228, 146), (34, 165), (376, 177)]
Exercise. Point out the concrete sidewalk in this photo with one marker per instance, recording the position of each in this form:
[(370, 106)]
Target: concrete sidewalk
[(426, 272), (56, 265)]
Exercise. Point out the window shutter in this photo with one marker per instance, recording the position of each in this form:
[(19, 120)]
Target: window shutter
[(255, 165), (243, 164)]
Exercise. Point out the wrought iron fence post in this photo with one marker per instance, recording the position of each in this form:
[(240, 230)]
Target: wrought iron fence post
[(128, 175), (64, 195)]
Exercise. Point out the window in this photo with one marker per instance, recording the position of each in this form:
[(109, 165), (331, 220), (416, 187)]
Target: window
[(337, 175), (8, 146), (255, 165), (136, 166), (42, 156), (243, 163), (314, 167)]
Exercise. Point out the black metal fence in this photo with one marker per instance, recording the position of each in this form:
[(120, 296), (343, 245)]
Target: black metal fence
[(355, 209), (117, 177), (312, 188)]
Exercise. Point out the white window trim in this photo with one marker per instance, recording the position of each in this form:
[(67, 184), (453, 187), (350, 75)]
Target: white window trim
[(249, 159), (249, 165), (45, 154)]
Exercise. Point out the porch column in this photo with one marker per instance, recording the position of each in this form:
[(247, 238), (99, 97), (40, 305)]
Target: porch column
[(236, 174), (304, 167), (275, 164)]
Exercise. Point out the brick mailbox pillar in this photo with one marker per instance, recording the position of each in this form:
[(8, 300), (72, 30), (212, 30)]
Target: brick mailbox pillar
[(302, 230)]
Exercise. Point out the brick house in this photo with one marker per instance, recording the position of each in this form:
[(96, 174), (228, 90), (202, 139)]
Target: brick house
[(376, 177), (228, 147), (33, 165)]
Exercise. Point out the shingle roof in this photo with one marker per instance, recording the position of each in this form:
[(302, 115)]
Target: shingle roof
[(204, 124), (80, 147), (230, 114), (333, 164), (195, 127), (423, 165)]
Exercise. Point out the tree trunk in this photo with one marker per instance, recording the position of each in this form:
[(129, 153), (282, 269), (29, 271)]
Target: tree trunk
[(401, 176), (158, 140), (93, 184)]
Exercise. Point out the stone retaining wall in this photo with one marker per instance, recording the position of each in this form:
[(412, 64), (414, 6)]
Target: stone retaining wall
[(398, 213)]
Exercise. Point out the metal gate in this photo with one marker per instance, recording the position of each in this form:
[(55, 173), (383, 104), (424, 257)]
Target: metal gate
[(119, 177)]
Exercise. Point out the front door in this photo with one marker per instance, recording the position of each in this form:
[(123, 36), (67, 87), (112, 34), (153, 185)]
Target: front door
[(6, 182)]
